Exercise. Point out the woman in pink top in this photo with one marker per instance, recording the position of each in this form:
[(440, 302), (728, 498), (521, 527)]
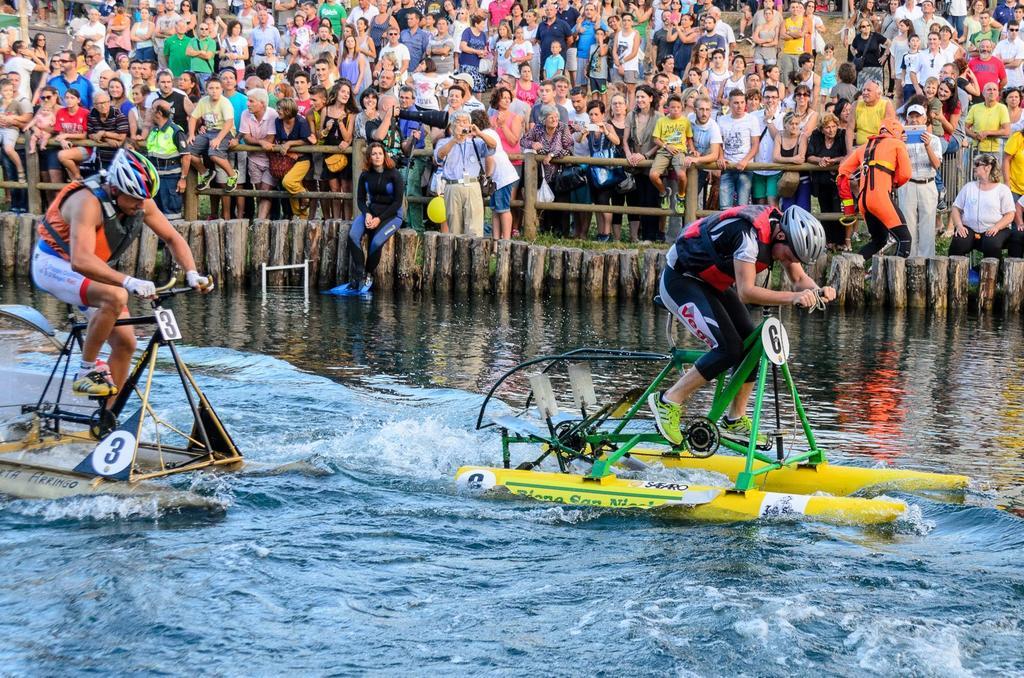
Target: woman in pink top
[(499, 10), (527, 90)]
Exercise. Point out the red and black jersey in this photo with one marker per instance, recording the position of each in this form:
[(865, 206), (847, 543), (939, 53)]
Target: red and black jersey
[(708, 247)]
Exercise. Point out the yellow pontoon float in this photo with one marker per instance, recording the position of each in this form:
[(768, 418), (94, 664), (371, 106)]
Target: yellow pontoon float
[(599, 438)]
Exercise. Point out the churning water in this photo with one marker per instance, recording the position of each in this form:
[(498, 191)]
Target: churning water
[(359, 557)]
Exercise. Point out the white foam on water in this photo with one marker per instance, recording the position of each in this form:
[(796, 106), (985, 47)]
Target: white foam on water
[(752, 629), (539, 514), (892, 646), (426, 448), (100, 507)]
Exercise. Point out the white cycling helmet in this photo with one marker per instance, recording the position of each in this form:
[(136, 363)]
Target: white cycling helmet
[(804, 232), (133, 174)]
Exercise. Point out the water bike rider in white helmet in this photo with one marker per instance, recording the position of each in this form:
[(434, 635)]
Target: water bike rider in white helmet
[(710, 276), (86, 228)]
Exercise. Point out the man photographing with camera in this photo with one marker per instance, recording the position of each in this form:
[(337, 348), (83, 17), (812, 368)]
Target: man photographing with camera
[(462, 156)]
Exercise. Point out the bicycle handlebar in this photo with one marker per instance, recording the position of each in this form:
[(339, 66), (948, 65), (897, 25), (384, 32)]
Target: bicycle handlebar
[(168, 289)]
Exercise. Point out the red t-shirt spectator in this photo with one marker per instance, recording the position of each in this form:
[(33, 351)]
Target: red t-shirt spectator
[(991, 70), (66, 123)]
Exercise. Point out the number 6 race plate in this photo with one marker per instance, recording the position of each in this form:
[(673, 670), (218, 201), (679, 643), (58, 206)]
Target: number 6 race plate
[(775, 341), (168, 324)]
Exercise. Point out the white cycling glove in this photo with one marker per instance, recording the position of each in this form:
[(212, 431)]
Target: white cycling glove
[(196, 281), (140, 288)]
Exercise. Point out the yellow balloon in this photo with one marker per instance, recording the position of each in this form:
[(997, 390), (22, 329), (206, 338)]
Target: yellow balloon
[(435, 210)]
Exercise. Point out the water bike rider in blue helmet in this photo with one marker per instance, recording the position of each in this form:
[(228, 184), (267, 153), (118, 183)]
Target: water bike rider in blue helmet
[(86, 228), (709, 277)]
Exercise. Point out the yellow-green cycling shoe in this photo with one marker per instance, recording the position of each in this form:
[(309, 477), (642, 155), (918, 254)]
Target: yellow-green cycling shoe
[(739, 431), (95, 384), (667, 416)]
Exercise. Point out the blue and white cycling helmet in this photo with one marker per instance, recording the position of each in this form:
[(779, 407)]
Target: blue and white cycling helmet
[(804, 232), (133, 174)]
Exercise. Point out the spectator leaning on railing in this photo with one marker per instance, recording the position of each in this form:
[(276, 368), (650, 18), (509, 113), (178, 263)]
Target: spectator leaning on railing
[(164, 146), (988, 122)]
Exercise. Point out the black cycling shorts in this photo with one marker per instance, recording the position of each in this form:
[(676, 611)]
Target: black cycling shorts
[(719, 319)]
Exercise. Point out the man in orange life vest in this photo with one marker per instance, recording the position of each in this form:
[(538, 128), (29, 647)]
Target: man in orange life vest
[(710, 277), (88, 226), (884, 166)]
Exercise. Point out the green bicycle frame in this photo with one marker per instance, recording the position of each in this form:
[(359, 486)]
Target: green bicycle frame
[(620, 442)]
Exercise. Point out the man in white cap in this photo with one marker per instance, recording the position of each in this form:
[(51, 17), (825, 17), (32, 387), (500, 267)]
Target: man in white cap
[(469, 102), (919, 196)]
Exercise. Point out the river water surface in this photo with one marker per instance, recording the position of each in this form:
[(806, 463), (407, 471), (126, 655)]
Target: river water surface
[(363, 559)]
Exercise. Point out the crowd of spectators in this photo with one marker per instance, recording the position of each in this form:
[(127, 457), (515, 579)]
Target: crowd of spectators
[(475, 83)]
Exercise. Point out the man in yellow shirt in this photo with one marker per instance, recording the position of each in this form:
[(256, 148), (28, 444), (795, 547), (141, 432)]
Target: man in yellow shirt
[(1013, 164), (791, 34), (989, 121), (674, 139), (869, 112)]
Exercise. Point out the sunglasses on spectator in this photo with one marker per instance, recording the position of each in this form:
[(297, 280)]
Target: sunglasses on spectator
[(46, 98), (801, 94)]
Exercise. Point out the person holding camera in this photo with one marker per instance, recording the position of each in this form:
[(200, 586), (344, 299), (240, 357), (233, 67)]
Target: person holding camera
[(919, 197), (414, 137), (461, 156)]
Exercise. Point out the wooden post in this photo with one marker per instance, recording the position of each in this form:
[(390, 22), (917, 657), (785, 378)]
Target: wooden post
[(987, 279), (408, 258), (148, 244), (295, 249), (463, 262), (692, 195), (127, 263), (311, 251), (896, 281), (503, 268), (520, 254), (35, 198), (627, 274), (358, 157), (384, 276), (214, 248), (279, 237), (1013, 285), (611, 274), (917, 282), (593, 275), (839, 278), (8, 243), (197, 243), (260, 243), (855, 290), (556, 271), (190, 201), (536, 256), (235, 242), (480, 265), (26, 241), (444, 262), (328, 254), (937, 275), (649, 275), (876, 282), (429, 260), (341, 262), (573, 271), (529, 192), (958, 272)]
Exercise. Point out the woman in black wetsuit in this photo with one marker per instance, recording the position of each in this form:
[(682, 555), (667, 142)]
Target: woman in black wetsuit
[(379, 196)]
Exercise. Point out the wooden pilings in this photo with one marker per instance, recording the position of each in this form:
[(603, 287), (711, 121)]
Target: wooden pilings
[(446, 264)]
